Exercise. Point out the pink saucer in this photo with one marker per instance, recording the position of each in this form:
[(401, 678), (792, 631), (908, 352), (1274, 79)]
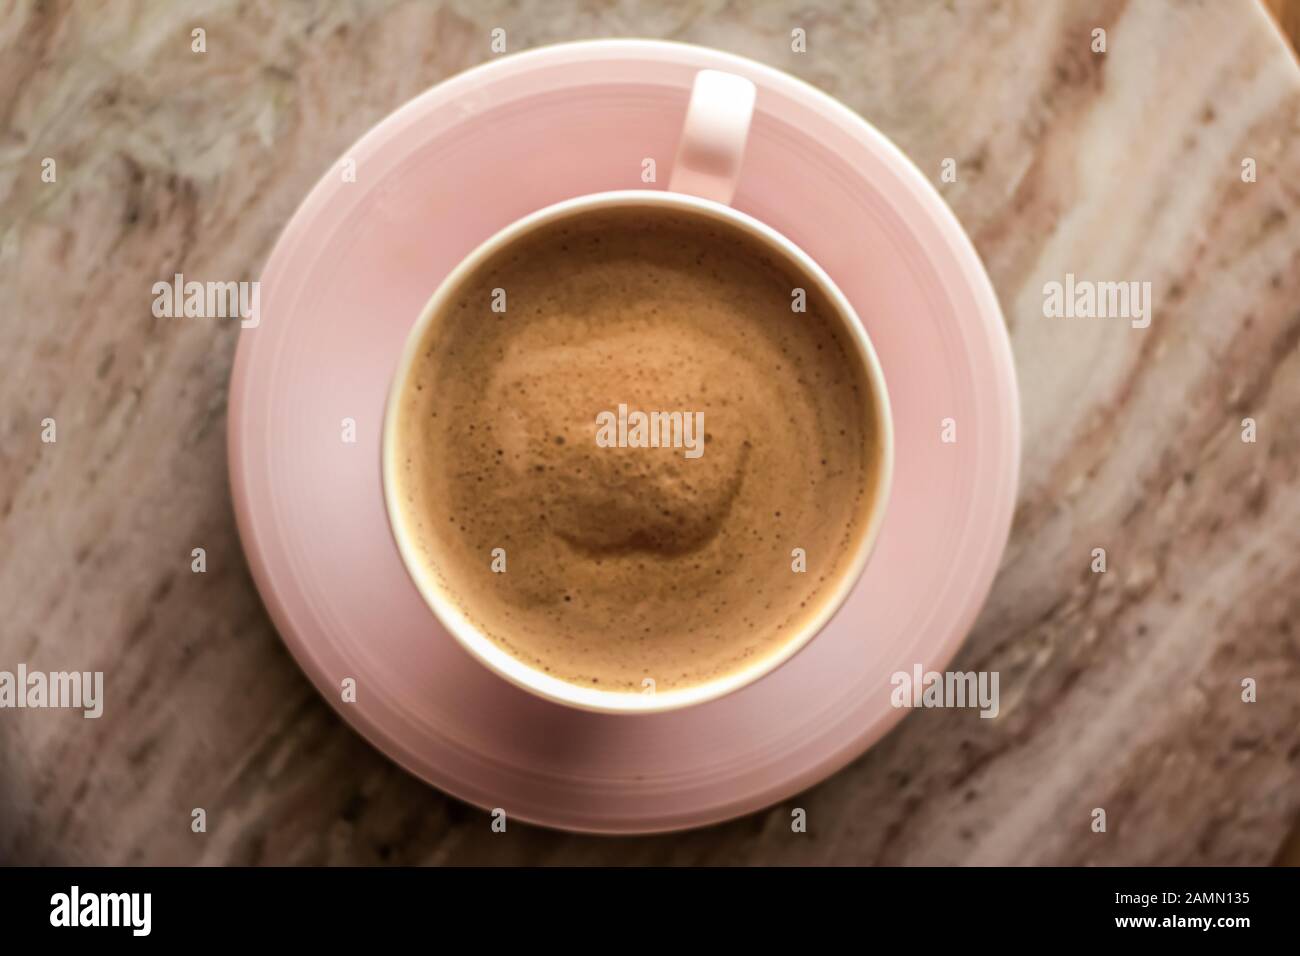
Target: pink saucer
[(348, 278)]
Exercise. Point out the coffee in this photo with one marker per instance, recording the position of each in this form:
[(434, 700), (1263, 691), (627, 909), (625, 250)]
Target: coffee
[(637, 444)]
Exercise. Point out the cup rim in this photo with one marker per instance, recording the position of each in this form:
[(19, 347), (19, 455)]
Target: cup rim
[(483, 648)]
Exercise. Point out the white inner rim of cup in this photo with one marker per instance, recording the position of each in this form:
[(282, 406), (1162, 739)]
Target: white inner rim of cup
[(484, 648)]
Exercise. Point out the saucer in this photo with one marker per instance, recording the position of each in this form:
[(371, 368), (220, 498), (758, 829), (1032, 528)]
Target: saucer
[(345, 283)]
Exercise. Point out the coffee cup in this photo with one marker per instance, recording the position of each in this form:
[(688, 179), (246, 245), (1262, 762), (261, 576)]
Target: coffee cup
[(609, 508)]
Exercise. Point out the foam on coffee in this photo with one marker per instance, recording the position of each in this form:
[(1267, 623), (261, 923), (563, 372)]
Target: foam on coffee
[(628, 563)]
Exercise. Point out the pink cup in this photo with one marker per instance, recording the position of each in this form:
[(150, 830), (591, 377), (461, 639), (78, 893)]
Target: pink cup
[(708, 162)]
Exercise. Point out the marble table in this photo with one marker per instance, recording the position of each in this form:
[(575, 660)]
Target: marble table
[(1120, 690)]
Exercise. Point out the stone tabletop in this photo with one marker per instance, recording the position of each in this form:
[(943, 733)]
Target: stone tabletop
[(1164, 690)]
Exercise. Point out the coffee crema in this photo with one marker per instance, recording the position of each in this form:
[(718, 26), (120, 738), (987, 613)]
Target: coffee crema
[(607, 564)]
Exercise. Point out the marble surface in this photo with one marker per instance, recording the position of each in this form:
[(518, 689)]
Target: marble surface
[(1119, 690)]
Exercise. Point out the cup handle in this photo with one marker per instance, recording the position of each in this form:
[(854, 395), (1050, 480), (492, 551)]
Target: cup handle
[(712, 146)]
